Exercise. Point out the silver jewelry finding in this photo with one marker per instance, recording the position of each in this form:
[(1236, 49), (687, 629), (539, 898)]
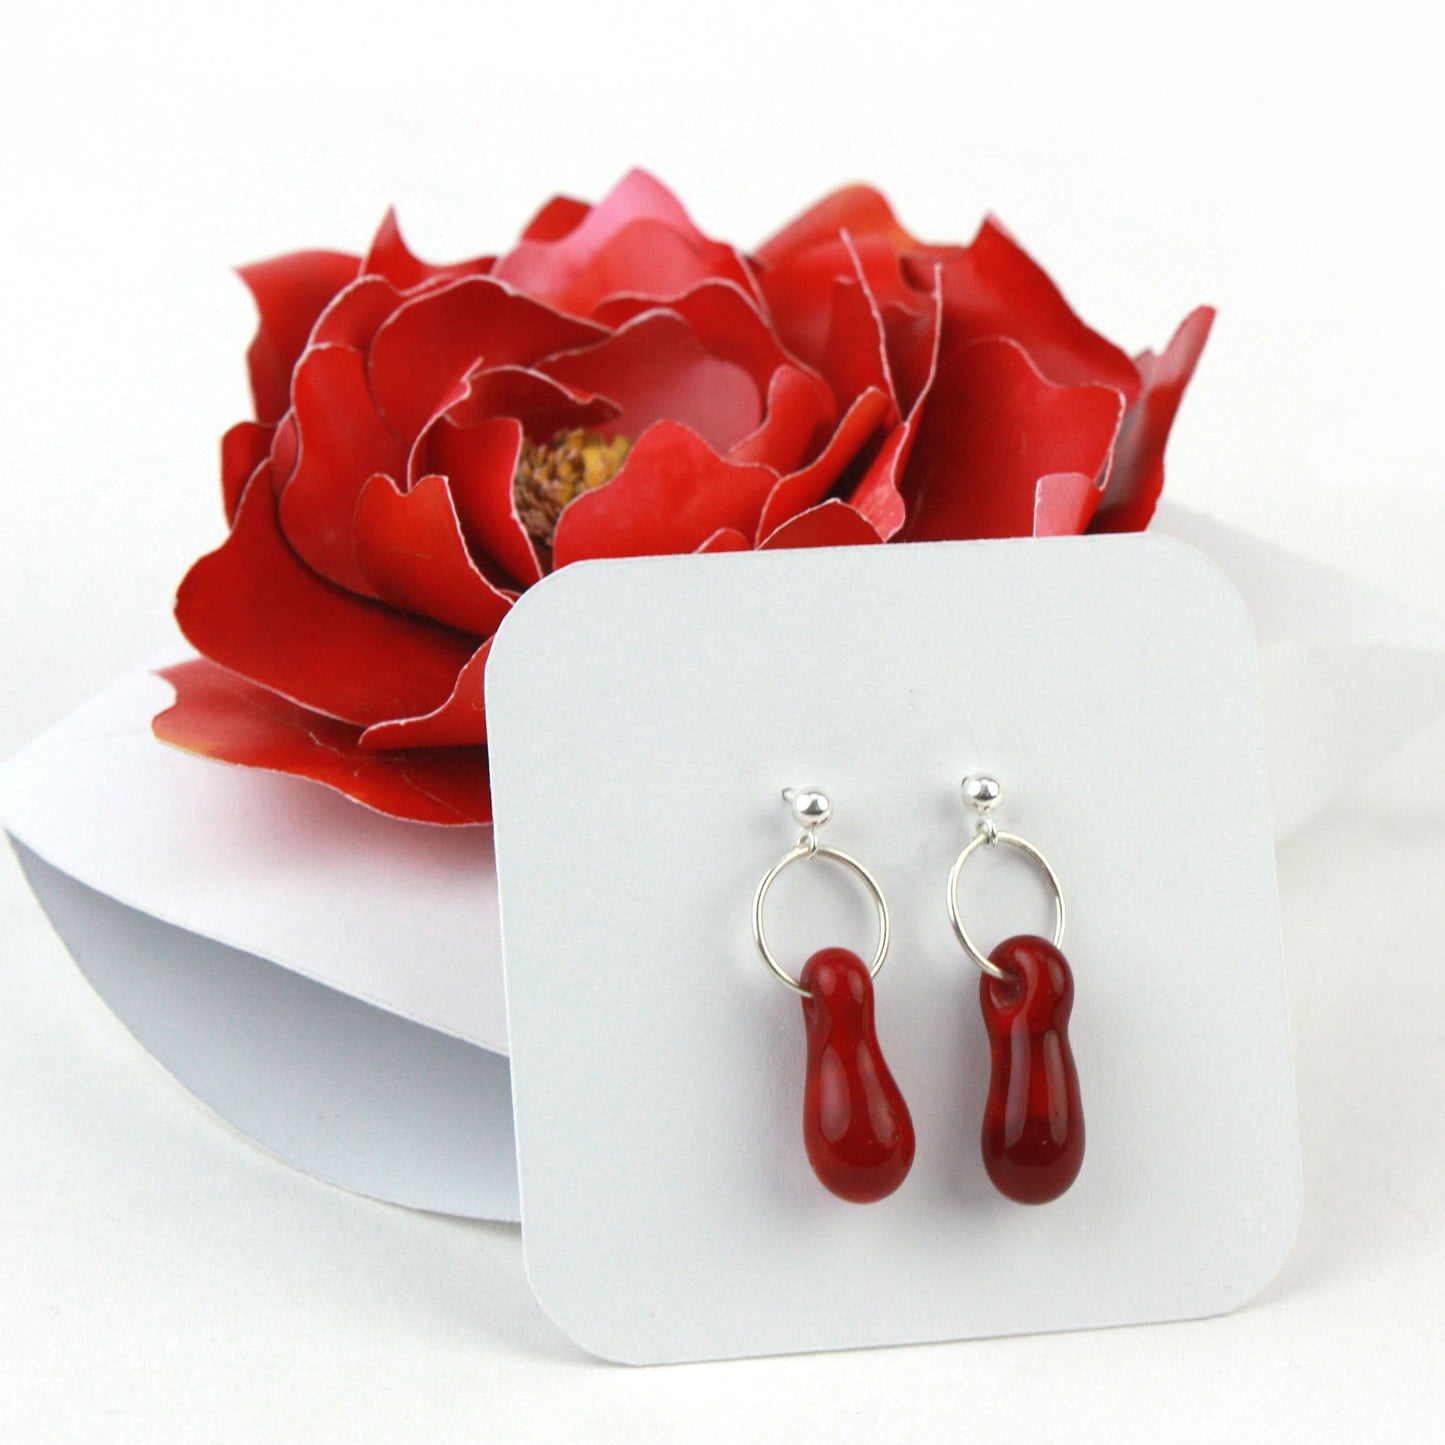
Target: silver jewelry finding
[(982, 794), (810, 810)]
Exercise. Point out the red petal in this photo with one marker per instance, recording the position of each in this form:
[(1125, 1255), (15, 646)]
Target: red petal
[(860, 210), (994, 288), (655, 370), (254, 607), (543, 405), (828, 310), (220, 715), (1064, 503), (460, 721), (392, 258), (912, 335), (881, 267), (992, 426), (726, 539), (639, 239), (481, 462), (290, 293), (559, 217), (803, 488), (907, 321), (879, 496), (1137, 476), (243, 449), (672, 494), (799, 295), (410, 547), (855, 356), (422, 354), (803, 296), (799, 408), (355, 314), (285, 448), (343, 443), (728, 324), (869, 259), (723, 317), (834, 524)]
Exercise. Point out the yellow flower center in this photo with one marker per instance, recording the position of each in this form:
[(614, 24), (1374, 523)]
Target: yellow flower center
[(551, 474)]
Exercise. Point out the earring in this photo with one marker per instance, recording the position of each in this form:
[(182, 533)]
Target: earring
[(1033, 1122), (856, 1127)]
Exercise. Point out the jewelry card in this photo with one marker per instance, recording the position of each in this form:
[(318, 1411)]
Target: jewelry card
[(645, 717)]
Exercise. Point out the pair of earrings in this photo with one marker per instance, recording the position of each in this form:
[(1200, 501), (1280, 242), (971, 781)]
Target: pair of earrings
[(856, 1126)]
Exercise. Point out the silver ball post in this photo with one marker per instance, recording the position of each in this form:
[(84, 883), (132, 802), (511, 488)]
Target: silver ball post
[(810, 807), (981, 793)]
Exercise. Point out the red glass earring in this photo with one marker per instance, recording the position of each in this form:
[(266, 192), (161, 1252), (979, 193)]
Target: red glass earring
[(1033, 1121), (856, 1127)]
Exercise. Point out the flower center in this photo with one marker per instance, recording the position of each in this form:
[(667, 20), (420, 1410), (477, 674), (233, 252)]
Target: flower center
[(551, 474)]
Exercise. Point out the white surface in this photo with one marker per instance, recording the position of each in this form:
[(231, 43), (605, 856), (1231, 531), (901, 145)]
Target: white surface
[(1346, 674), (162, 1280), (400, 915), (668, 1210), (348, 1092)]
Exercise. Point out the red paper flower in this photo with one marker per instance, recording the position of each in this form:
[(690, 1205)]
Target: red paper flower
[(431, 440)]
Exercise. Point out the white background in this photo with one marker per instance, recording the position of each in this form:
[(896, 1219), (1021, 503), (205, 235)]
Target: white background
[(160, 1279)]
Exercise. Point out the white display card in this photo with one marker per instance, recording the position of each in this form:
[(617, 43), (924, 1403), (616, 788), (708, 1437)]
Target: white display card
[(644, 716)]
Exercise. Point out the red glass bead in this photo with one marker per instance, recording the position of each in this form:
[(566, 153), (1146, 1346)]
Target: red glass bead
[(1033, 1122), (856, 1127)]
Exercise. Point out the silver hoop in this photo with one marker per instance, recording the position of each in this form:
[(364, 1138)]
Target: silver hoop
[(982, 793), (807, 847)]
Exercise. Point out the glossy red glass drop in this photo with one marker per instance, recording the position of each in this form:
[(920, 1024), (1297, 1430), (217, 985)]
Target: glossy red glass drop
[(856, 1127), (1033, 1122)]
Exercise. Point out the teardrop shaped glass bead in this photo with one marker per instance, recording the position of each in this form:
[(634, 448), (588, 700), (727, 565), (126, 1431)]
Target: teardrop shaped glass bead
[(856, 1127), (1033, 1121)]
